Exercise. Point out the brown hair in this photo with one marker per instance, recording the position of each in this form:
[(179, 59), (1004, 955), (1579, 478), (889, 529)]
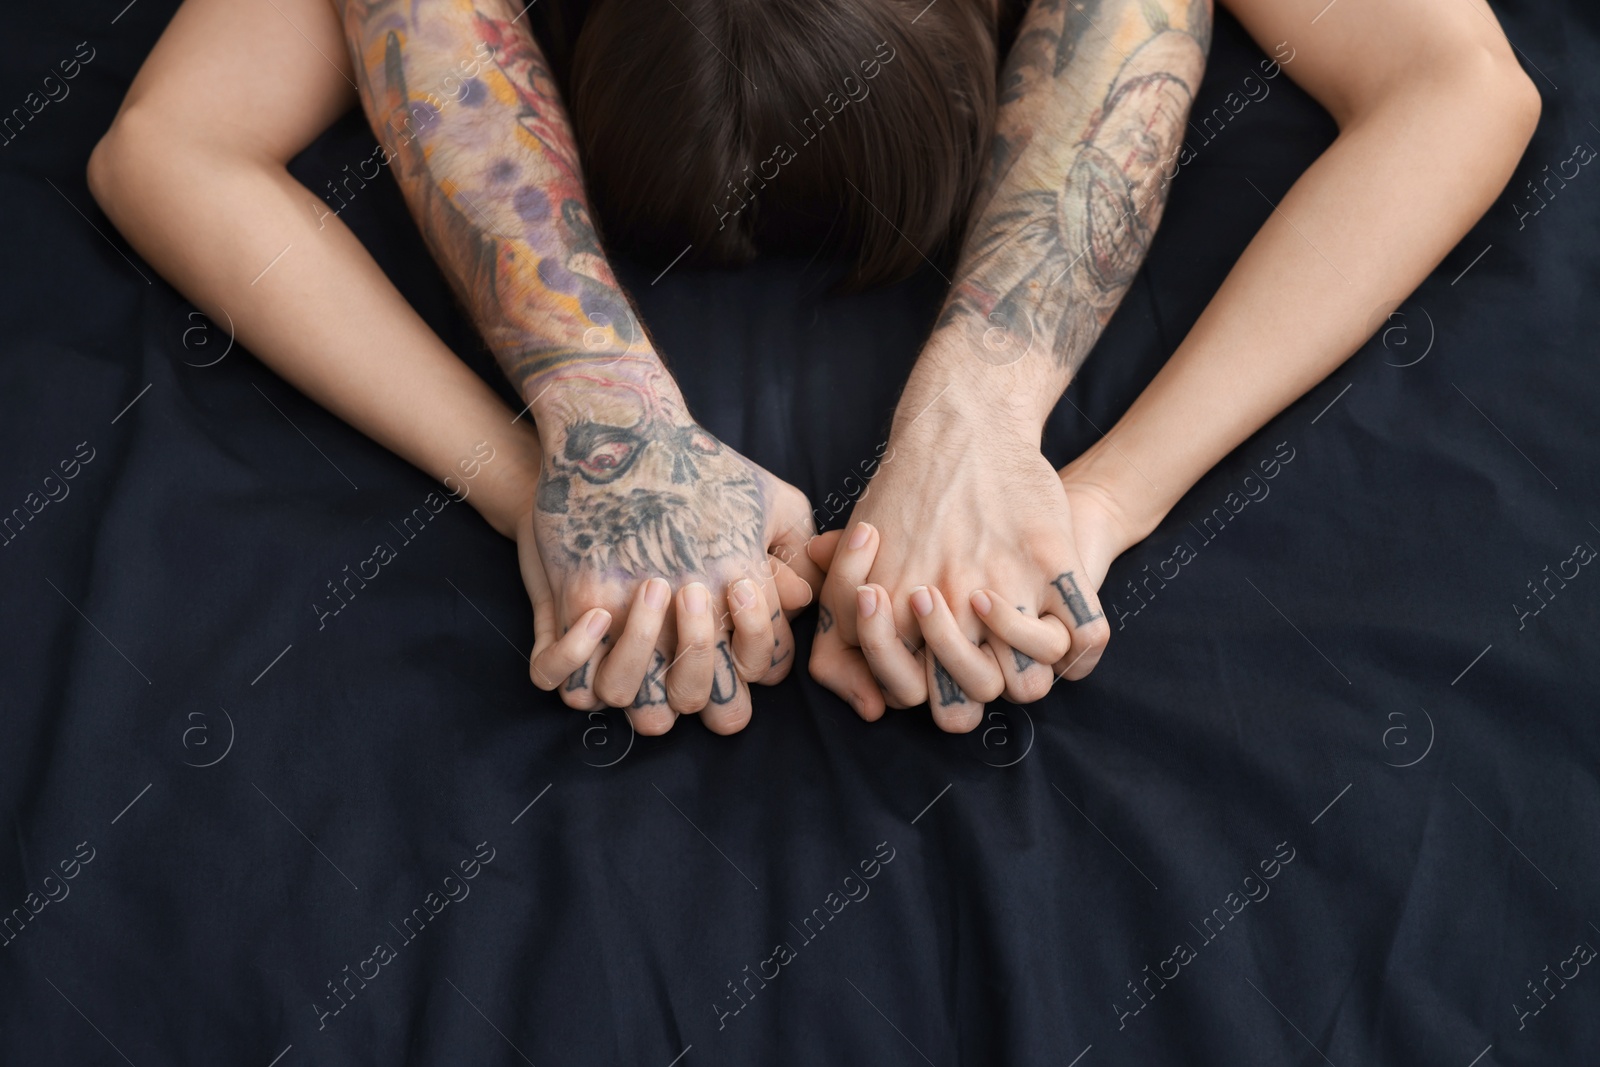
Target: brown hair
[(744, 126)]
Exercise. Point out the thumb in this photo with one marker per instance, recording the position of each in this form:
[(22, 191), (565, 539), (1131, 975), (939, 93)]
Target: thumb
[(822, 547)]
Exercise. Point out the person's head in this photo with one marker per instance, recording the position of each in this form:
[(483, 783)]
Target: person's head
[(785, 126)]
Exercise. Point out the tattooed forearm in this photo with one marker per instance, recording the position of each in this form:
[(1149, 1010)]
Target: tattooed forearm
[(472, 124), (1094, 97)]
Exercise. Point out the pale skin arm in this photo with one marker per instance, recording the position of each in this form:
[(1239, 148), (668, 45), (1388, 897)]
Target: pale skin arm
[(1434, 113)]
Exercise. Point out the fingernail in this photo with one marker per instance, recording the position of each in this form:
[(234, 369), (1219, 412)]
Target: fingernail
[(859, 535), (599, 622), (744, 594), (922, 601), (981, 603), (656, 592), (696, 600), (866, 601)]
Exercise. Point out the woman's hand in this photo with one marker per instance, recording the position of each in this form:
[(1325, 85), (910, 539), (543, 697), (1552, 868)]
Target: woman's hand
[(960, 578), (658, 559)]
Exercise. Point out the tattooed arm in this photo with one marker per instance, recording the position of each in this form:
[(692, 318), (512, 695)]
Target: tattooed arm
[(1433, 112), (635, 497), (1077, 180), (1094, 97)]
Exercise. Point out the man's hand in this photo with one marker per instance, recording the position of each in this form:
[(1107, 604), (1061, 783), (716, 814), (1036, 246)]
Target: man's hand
[(1013, 564), (638, 506), (976, 530), (959, 579)]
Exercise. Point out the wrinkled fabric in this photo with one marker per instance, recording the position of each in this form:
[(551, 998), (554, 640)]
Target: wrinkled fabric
[(1330, 796)]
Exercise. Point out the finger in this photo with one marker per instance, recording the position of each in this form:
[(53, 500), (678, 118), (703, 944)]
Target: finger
[(728, 711), (1044, 639), (620, 679), (1026, 678), (577, 692), (650, 712), (752, 630), (852, 562), (1076, 604), (796, 529), (551, 666), (821, 548), (782, 652), (973, 668), (795, 594), (843, 671), (962, 676), (898, 669), (689, 674)]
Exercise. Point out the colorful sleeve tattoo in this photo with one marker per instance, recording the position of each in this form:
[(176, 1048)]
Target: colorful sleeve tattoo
[(472, 124), (1094, 98)]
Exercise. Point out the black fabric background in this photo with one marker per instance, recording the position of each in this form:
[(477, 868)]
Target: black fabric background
[(1070, 845)]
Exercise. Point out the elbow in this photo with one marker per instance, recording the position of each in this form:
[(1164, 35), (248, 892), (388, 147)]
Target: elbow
[(102, 171), (1494, 88), (108, 167), (1499, 92), (126, 159), (1469, 79), (1525, 104), (1503, 105), (1474, 97)]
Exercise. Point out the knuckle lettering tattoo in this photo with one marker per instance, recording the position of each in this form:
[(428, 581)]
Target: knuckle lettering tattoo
[(1067, 585), (724, 676), (949, 692), (653, 690)]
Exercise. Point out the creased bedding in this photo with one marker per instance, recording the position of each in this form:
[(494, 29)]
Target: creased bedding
[(1331, 796)]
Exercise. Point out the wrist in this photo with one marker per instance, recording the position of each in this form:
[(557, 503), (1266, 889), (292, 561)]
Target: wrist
[(990, 372), (599, 397), (504, 487), (1135, 503), (943, 399)]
